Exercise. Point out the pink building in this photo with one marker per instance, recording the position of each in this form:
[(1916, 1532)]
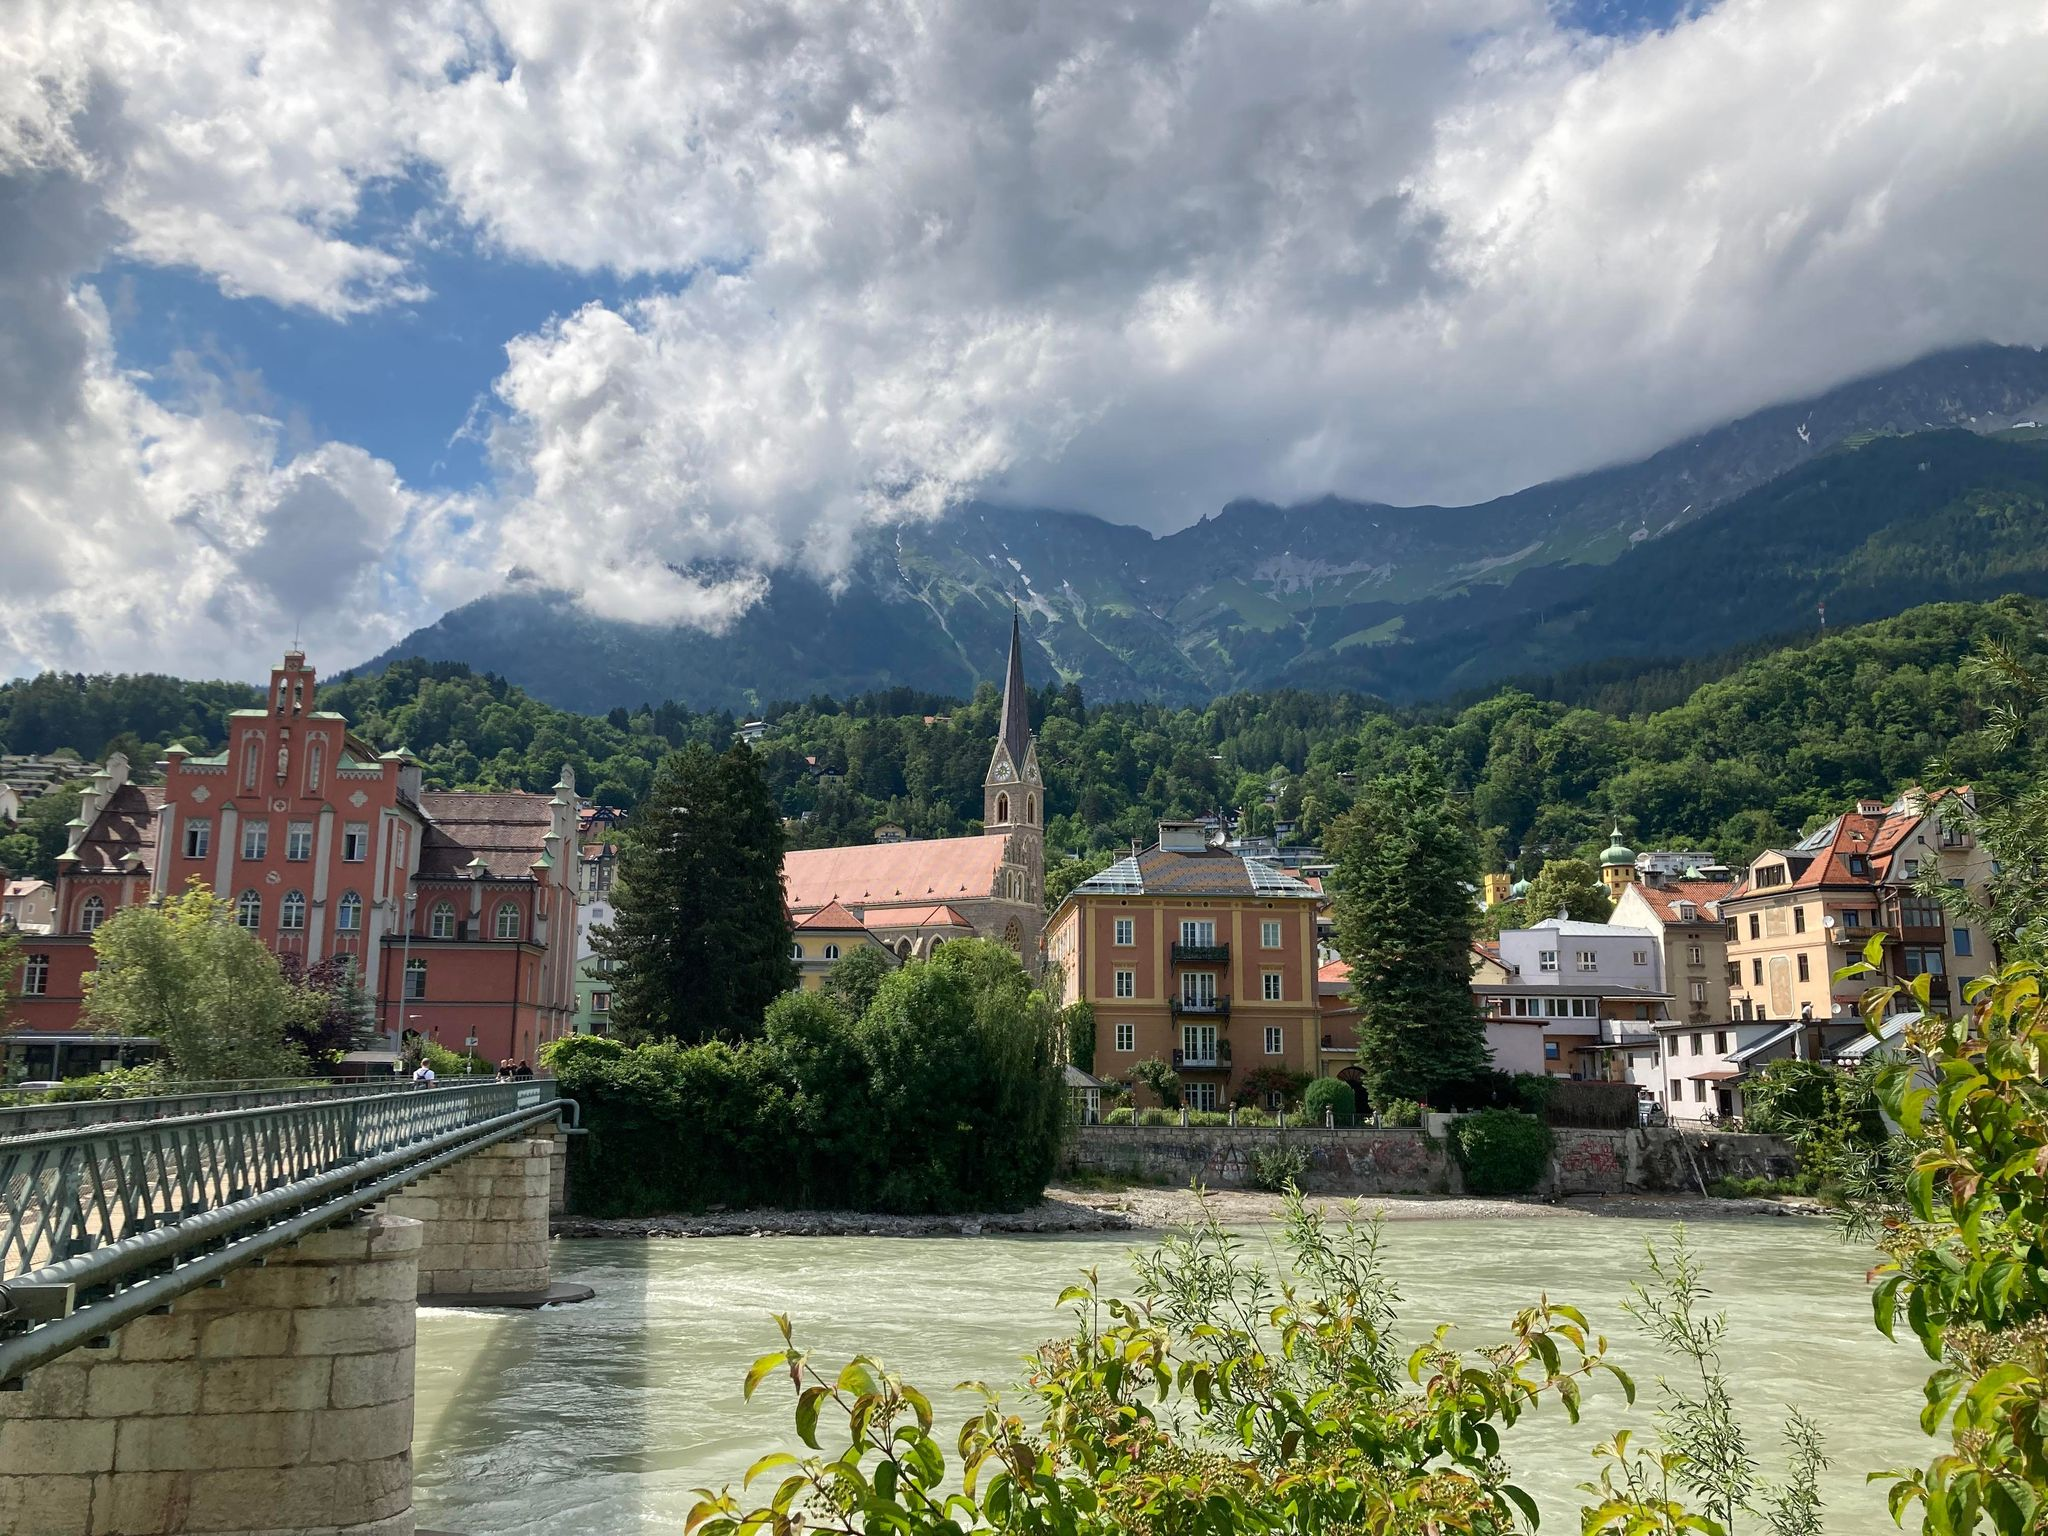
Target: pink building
[(458, 909)]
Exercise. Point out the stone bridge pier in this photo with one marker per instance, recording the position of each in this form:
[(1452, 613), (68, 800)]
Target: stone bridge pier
[(280, 1401), (485, 1224)]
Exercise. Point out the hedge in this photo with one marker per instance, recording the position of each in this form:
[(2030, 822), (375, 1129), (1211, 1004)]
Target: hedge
[(1503, 1151)]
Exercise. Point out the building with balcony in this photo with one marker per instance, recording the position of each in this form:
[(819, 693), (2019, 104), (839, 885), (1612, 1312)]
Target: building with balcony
[(1691, 949), (1199, 956), (459, 910), (1562, 997)]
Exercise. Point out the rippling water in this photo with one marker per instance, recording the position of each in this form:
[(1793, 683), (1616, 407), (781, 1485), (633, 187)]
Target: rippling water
[(603, 1417)]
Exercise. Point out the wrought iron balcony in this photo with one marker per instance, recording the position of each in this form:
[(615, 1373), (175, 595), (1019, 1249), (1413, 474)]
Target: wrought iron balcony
[(1201, 954), (1201, 1008), (1220, 1057)]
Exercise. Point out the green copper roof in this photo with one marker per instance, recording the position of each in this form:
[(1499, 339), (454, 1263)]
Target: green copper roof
[(1617, 852)]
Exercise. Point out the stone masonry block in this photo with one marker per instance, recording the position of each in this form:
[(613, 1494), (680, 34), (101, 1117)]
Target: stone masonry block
[(287, 1498), (357, 1330), (376, 1433), (31, 1447), (43, 1505), (240, 1335), (382, 1282), (281, 1384), (206, 1442), (393, 1235), (48, 1392), (361, 1381), (337, 1245), (375, 1490), (119, 1389), (158, 1338), (140, 1503)]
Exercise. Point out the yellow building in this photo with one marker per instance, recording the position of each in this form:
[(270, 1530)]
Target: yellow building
[(819, 940)]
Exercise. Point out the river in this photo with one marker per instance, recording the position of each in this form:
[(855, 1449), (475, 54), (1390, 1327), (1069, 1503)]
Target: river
[(603, 1417)]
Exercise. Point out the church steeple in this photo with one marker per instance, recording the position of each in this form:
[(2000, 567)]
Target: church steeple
[(1012, 796)]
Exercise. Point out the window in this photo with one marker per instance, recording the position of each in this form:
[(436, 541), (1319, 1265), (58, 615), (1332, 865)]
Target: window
[(1200, 1096), (1273, 1040), (1805, 971), (1127, 1037), (249, 910), (506, 926), (1858, 864), (1851, 918), (1734, 973), (1697, 991), (1126, 930), (831, 951), (441, 921), (1198, 1045), (355, 843), (1639, 957), (1728, 930), (1756, 973), (1271, 987), (255, 839), (1912, 869), (1588, 961), (1552, 1051), (1269, 934), (1924, 962), (1799, 919), (1126, 983), (298, 841), (1692, 1045), (796, 951), (1687, 912), (348, 917), (1770, 874), (93, 912), (1919, 912), (1721, 1041), (198, 838), (1699, 1091), (1695, 955), (415, 980), (1962, 943), (35, 976), (1198, 990), (1546, 959), (292, 914), (1756, 927), (1198, 935), (600, 1002)]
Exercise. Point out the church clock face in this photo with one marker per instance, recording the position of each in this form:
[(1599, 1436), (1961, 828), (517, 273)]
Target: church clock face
[(1004, 772)]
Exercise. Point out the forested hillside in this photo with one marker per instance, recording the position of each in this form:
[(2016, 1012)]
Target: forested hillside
[(1750, 757)]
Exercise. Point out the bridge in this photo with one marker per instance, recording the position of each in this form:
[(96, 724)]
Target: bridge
[(208, 1300)]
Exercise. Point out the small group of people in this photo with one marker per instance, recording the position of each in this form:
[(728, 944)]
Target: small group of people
[(510, 1071)]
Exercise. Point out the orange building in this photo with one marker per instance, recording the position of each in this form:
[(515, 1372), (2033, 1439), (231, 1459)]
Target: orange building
[(458, 909), (1195, 955)]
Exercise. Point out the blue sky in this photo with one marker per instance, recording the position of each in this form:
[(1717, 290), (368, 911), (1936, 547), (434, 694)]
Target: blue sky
[(729, 287)]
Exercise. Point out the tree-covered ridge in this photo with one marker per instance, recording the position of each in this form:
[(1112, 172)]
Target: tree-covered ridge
[(1746, 759)]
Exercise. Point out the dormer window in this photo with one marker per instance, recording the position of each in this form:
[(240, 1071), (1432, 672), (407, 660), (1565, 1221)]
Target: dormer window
[(1687, 911), (1858, 864)]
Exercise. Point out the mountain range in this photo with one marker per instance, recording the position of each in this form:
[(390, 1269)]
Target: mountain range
[(1927, 482)]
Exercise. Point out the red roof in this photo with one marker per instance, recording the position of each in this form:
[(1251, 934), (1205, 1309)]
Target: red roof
[(1664, 899), (832, 915), (937, 916), (125, 825), (507, 831), (876, 874)]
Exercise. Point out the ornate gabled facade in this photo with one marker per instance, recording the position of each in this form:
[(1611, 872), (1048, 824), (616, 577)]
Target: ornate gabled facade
[(916, 894), (458, 910)]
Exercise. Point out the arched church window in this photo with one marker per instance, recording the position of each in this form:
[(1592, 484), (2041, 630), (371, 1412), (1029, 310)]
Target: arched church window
[(348, 917), (1002, 810), (249, 910), (1031, 810), (441, 921), (508, 920), (292, 914), (91, 914)]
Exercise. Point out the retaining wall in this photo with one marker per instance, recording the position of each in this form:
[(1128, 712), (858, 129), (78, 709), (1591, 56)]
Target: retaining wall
[(1656, 1160)]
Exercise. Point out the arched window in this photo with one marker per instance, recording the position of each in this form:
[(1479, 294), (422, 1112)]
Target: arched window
[(35, 976), (252, 755), (91, 913), (292, 914), (249, 910), (415, 978), (1002, 810), (348, 917), (1031, 810), (796, 951), (831, 951), (441, 921), (507, 923)]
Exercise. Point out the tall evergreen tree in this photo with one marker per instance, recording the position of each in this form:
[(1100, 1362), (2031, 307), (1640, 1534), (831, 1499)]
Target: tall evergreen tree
[(1406, 864), (700, 940)]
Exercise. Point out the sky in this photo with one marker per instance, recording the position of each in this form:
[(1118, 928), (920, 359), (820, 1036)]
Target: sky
[(319, 320)]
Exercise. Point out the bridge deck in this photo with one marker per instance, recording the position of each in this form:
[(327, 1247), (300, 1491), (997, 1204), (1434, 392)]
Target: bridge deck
[(105, 1220)]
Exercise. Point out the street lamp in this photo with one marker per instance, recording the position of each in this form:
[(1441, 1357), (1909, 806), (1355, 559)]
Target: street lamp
[(412, 899)]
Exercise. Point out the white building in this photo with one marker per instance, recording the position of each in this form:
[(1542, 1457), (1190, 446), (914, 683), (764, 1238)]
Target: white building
[(1590, 987)]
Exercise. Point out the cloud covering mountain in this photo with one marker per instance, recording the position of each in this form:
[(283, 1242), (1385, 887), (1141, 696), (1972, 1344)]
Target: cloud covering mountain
[(851, 262)]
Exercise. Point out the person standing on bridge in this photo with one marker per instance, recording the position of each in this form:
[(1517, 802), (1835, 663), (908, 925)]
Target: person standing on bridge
[(522, 1072), (423, 1075)]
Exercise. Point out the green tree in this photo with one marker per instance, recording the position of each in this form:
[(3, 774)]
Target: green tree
[(1405, 866), (700, 940), (1566, 888), (185, 975), (1062, 877), (1156, 1075), (857, 976), (1077, 1022), (30, 850), (10, 976)]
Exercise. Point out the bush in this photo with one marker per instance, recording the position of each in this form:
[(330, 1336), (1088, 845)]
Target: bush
[(121, 1083), (1534, 1092), (1156, 1075), (1399, 1112), (1119, 1116), (1157, 1117), (1278, 1167), (1503, 1151), (1331, 1094), (1592, 1106), (447, 1063)]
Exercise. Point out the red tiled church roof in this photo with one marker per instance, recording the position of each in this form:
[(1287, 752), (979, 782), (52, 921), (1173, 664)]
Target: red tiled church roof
[(876, 874), (937, 916), (125, 825), (507, 831), (831, 916)]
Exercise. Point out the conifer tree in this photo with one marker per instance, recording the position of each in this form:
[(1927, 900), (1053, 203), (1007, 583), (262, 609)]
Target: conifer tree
[(1406, 864), (700, 939)]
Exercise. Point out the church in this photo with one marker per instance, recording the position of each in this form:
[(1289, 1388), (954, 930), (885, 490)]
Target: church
[(915, 895)]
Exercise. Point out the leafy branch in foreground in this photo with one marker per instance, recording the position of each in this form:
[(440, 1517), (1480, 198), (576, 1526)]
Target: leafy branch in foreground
[(1221, 1397)]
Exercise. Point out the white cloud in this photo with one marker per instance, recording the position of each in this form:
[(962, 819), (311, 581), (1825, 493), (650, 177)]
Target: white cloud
[(1137, 259)]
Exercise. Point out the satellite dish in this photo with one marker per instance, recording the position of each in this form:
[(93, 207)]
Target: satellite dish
[(1836, 1009), (1828, 921)]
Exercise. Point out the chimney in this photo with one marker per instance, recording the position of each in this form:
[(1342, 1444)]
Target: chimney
[(1183, 836)]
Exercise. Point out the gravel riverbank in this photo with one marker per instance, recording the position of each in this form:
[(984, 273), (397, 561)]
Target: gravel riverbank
[(1143, 1209)]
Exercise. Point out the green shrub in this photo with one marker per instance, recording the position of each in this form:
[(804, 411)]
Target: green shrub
[(1156, 1075), (121, 1083), (1157, 1117), (1277, 1167), (1208, 1117), (1253, 1117), (1399, 1112), (1118, 1116), (448, 1063), (1332, 1094), (1534, 1091), (1503, 1151)]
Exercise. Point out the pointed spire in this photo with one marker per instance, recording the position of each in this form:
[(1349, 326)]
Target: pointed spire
[(1016, 728)]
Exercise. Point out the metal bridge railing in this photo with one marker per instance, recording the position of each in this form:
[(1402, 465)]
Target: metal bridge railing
[(101, 1223), (193, 1099)]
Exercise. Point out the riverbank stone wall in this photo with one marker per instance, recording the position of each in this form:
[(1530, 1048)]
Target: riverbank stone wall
[(279, 1403), (1653, 1160)]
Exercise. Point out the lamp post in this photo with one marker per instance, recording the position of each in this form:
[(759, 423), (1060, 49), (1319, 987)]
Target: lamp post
[(412, 899)]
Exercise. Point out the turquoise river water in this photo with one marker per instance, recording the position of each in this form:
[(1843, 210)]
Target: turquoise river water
[(603, 1417)]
